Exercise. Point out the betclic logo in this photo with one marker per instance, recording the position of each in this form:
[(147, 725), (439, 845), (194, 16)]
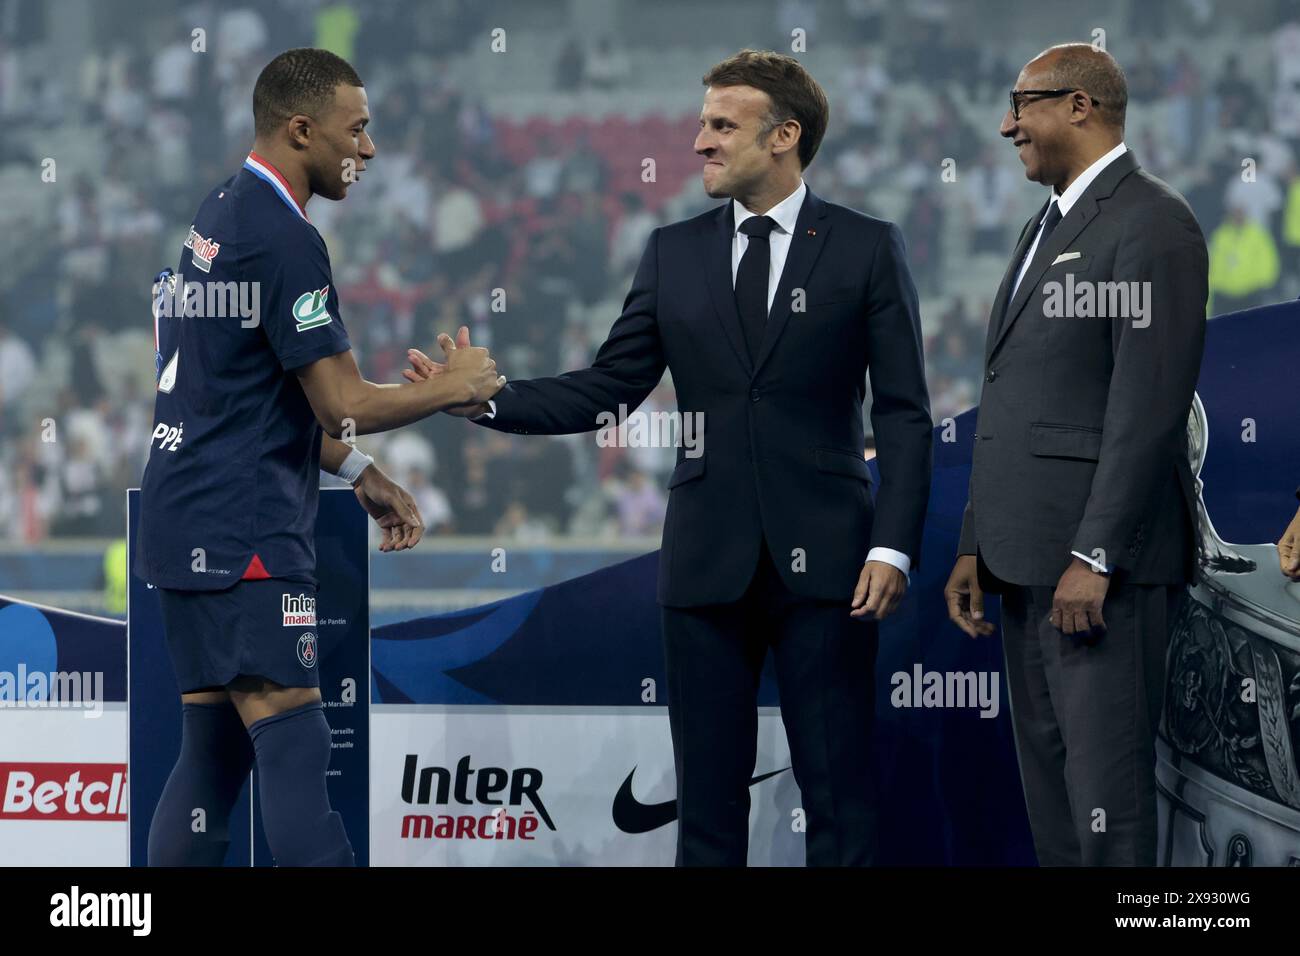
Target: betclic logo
[(63, 791)]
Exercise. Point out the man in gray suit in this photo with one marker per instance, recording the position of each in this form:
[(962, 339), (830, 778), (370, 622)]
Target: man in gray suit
[(1082, 508)]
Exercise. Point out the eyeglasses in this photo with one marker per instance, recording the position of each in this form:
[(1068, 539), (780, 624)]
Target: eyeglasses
[(1017, 98)]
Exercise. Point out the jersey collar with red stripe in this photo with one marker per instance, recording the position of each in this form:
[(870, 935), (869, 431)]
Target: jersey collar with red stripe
[(262, 169)]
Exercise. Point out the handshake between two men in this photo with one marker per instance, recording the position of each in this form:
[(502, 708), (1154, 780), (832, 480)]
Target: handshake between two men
[(345, 403), (880, 587)]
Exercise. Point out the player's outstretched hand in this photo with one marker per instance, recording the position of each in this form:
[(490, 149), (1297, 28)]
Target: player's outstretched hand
[(423, 367), (393, 509)]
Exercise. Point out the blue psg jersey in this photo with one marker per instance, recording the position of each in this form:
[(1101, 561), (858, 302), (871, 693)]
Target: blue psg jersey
[(233, 478)]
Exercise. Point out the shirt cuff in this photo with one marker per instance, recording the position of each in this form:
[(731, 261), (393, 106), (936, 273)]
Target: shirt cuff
[(490, 413), (897, 558), (1097, 565)]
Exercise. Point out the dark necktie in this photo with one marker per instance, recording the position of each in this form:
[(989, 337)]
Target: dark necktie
[(751, 281), (1050, 222)]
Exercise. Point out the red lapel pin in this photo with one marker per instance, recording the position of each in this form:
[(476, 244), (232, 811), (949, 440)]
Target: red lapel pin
[(812, 232)]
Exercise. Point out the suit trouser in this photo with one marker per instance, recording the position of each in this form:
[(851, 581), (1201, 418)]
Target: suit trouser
[(825, 664), (1085, 719)]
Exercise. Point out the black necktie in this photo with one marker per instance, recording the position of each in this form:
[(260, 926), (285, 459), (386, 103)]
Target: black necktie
[(1050, 222), (751, 281)]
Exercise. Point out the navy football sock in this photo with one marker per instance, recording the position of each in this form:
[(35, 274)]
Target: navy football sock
[(293, 753), (191, 824)]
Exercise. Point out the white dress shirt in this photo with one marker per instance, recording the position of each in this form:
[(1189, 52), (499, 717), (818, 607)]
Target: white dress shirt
[(1065, 201), (786, 214)]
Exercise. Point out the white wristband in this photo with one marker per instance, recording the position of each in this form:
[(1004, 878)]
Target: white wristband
[(354, 465)]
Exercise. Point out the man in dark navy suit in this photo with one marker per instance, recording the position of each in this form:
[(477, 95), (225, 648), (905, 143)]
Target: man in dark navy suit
[(770, 311)]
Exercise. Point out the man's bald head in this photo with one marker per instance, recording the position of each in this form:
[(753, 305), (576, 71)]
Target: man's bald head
[(1082, 67)]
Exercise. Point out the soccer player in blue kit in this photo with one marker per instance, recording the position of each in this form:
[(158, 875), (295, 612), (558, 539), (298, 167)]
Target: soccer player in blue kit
[(247, 413)]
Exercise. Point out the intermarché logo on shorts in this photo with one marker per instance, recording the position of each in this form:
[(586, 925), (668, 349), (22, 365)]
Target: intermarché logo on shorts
[(299, 610)]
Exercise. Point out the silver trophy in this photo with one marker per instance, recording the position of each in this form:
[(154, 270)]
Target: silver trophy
[(1226, 774)]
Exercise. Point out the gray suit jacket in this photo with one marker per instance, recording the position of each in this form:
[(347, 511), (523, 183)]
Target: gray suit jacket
[(1081, 435)]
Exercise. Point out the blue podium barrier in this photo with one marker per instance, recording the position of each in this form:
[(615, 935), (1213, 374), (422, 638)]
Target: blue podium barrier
[(561, 688), (533, 730), (343, 631)]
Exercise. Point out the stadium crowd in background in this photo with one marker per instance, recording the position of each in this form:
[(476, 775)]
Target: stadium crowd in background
[(550, 210)]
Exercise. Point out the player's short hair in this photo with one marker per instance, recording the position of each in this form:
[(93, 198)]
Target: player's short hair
[(1082, 66), (791, 88), (302, 80)]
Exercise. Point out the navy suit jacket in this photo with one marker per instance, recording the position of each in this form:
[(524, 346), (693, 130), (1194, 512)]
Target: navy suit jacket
[(783, 435)]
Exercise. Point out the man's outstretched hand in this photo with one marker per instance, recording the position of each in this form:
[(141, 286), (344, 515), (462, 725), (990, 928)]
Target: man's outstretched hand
[(393, 509), (423, 367)]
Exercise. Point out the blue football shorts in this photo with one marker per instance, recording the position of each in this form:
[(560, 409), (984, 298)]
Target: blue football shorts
[(261, 628)]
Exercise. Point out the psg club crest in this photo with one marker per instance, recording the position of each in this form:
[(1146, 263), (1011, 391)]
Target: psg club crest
[(307, 650)]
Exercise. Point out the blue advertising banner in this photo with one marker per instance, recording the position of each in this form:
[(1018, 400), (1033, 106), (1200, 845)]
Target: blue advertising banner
[(343, 629), (950, 784)]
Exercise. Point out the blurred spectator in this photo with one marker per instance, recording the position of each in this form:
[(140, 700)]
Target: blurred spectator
[(336, 29), (640, 505), (570, 66), (867, 18), (863, 90), (115, 577), (1237, 98), (1285, 96), (542, 172), (17, 367), (923, 228), (1243, 264), (435, 509), (1291, 226), (861, 162), (457, 222), (630, 235), (174, 72), (1186, 103), (1145, 82), (524, 220), (1258, 197), (607, 66), (991, 189), (80, 494), (517, 525)]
